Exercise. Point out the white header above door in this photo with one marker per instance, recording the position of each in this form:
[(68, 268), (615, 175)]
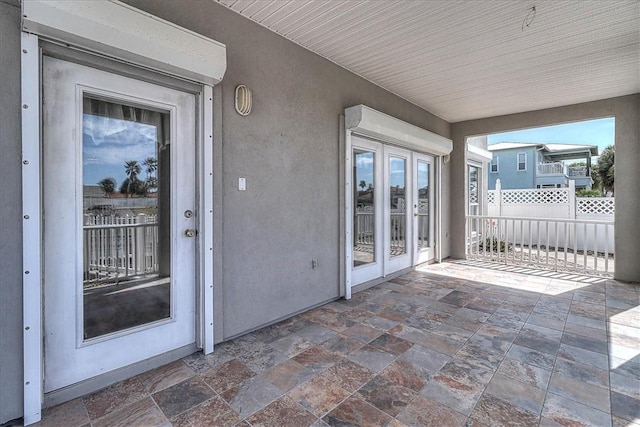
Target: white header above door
[(124, 32), (369, 122)]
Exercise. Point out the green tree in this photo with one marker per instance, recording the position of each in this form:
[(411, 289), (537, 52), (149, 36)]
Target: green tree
[(362, 184), (131, 185), (605, 170), (108, 185), (151, 165)]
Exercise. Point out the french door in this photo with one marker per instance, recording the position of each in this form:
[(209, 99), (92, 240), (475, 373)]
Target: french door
[(392, 224), (423, 208), (119, 197)]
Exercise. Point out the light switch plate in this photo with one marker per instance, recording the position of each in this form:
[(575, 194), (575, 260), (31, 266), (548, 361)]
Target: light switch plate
[(242, 184)]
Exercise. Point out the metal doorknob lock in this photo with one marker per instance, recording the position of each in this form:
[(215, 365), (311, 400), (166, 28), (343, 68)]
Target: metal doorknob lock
[(190, 233)]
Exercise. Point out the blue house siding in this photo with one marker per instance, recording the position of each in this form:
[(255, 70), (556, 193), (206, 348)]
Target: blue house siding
[(508, 173)]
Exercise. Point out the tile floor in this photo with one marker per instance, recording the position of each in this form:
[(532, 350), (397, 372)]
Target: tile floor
[(453, 344)]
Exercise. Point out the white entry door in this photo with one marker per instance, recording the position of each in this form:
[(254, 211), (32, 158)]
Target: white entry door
[(119, 194)]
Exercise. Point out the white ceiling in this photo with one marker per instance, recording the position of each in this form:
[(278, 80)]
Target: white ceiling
[(468, 59)]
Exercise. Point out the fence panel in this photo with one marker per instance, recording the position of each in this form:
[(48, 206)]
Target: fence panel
[(558, 203)]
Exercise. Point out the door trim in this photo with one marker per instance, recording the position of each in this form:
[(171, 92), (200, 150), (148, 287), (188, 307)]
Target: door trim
[(33, 310), (418, 257)]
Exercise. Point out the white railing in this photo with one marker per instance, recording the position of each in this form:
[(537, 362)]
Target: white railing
[(556, 168), (118, 248), (398, 233), (577, 171), (562, 244), (364, 228)]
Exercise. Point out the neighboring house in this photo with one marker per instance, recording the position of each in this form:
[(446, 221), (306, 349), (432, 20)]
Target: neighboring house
[(521, 165), (256, 207)]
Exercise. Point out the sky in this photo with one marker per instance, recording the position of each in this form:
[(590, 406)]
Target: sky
[(598, 132), (108, 143)]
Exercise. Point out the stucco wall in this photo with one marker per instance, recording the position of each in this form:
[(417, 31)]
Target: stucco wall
[(288, 151), (10, 219), (626, 110)]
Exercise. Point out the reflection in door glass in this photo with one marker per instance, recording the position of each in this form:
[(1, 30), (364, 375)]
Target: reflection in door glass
[(473, 195), (364, 224), (397, 201), (126, 200), (423, 205)]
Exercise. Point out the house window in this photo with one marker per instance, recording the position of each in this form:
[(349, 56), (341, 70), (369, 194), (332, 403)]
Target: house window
[(494, 164), (522, 161)]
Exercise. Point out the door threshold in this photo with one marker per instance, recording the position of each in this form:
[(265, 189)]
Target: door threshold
[(99, 382), (371, 283)]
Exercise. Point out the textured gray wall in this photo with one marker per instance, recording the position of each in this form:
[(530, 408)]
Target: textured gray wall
[(288, 151), (10, 217), (626, 111)]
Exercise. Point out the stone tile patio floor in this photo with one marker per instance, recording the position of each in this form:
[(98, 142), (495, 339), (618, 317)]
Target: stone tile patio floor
[(453, 344)]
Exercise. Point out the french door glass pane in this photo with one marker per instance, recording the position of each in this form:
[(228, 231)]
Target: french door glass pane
[(423, 204), (473, 194), (126, 229), (364, 224), (398, 205)]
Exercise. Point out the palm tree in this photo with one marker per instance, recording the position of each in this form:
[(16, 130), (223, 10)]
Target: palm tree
[(605, 169), (108, 185), (132, 168), (362, 184), (131, 184), (151, 164)]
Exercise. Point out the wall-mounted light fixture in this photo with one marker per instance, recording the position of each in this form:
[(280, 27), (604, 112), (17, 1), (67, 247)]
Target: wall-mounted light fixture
[(243, 100)]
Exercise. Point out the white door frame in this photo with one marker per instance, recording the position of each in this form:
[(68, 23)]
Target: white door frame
[(367, 122), (421, 256), (385, 264), (33, 390)]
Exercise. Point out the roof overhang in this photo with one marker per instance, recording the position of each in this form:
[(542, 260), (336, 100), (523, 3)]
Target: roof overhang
[(129, 34), (478, 154)]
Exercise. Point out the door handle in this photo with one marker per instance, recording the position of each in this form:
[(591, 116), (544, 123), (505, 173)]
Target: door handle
[(190, 233)]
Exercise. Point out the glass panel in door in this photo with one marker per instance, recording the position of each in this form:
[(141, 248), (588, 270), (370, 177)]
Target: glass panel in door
[(423, 208), (364, 221), (474, 199), (398, 206), (422, 205), (126, 194)]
